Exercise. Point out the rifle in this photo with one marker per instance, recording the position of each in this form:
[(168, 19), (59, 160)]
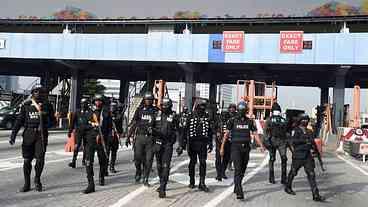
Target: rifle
[(116, 132), (100, 131), (40, 126)]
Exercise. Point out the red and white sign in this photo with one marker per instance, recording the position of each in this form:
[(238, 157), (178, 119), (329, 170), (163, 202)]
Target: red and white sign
[(233, 41), (291, 41)]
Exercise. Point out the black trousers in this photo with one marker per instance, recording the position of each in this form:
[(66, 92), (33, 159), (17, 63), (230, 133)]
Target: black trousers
[(33, 147), (197, 149), (309, 166), (81, 140), (143, 155), (112, 147), (92, 147), (240, 157), (164, 154), (281, 147), (222, 163)]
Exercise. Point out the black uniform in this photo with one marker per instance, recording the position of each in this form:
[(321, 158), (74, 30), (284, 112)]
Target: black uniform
[(240, 128), (303, 145), (35, 138), (112, 144), (78, 122), (143, 122), (95, 143), (222, 162), (166, 133), (276, 140), (198, 139)]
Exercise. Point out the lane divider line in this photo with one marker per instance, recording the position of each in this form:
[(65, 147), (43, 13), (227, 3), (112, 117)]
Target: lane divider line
[(352, 164)]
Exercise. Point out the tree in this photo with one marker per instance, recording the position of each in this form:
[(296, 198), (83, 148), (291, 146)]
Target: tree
[(91, 87)]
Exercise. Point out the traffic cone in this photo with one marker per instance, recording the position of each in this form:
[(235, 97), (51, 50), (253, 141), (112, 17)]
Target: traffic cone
[(69, 146)]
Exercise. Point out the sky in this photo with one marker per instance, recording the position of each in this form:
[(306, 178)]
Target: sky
[(158, 8)]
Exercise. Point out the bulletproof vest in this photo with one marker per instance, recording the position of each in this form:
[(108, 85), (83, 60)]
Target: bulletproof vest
[(241, 130), (32, 119), (82, 118), (165, 125), (278, 127), (117, 121), (199, 126), (302, 150), (104, 123), (145, 119), (225, 117)]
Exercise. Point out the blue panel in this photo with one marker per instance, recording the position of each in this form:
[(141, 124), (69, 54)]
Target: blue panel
[(168, 47), (184, 49), (138, 48), (344, 49), (215, 55), (251, 48), (6, 51), (269, 48), (124, 44), (68, 47), (154, 42), (325, 48), (307, 57), (56, 45), (200, 48), (16, 45), (95, 46), (111, 47), (361, 49)]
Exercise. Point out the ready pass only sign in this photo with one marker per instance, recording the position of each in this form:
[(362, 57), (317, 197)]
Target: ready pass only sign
[(233, 41), (291, 41)]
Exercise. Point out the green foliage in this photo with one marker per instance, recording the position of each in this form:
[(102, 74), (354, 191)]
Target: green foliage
[(91, 87)]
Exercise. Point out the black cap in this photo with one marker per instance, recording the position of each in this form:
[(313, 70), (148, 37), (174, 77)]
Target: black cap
[(232, 105), (148, 96), (166, 103), (84, 100), (303, 117), (276, 107), (37, 87)]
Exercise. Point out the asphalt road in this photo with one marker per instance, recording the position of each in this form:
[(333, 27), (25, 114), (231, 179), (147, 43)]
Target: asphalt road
[(344, 184)]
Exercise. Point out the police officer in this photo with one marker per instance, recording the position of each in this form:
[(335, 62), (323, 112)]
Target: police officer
[(35, 115), (98, 128), (276, 139), (303, 145), (198, 140), (78, 121), (241, 128), (142, 125), (114, 138), (223, 161), (166, 133)]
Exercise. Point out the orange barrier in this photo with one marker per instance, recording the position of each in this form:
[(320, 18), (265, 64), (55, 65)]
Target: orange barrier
[(70, 144), (318, 142)]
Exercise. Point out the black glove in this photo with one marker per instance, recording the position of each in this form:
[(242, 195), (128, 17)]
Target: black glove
[(179, 151), (209, 148)]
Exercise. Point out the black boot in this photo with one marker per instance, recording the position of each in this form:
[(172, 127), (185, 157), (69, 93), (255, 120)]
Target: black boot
[(283, 171), (138, 177), (272, 177), (101, 180), (112, 167), (146, 183), (38, 184), (162, 192), (27, 168), (318, 198), (39, 168), (91, 186), (192, 182), (202, 186), (72, 164), (289, 183)]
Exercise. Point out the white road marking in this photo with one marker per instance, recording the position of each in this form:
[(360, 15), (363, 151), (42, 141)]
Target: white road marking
[(184, 179), (126, 199), (218, 199), (52, 137), (353, 165)]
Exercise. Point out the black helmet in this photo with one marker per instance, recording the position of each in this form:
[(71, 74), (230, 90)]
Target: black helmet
[(37, 87), (276, 107), (232, 105), (303, 117), (166, 103), (84, 101), (148, 96)]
